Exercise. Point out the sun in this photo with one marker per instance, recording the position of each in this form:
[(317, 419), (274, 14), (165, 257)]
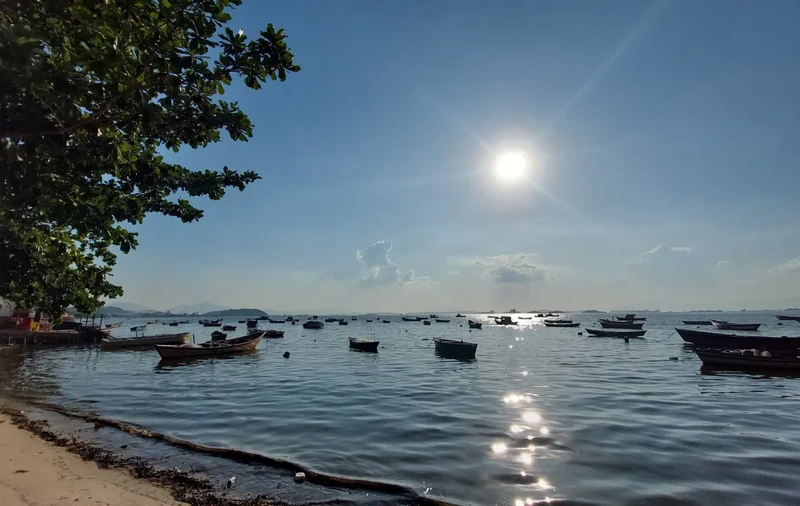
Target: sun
[(510, 166)]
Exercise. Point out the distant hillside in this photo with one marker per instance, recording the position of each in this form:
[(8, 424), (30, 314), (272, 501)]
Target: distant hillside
[(236, 312), (593, 311)]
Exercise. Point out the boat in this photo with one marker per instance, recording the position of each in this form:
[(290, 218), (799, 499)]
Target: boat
[(441, 320), (209, 349), (272, 334), (364, 345), (611, 324), (504, 320), (251, 324), (138, 328), (343, 322), (459, 315), (426, 322), (747, 359), (331, 320), (558, 321), (353, 318), (218, 336), (787, 317), (386, 321), (550, 314), (615, 333), (229, 327), (719, 325), (561, 324), (242, 321), (630, 317), (475, 325), (265, 317), (433, 317), (525, 317), (696, 322), (183, 322), (275, 321), (369, 321), (114, 343), (450, 348), (212, 324), (313, 324), (540, 315), (705, 339), (409, 318)]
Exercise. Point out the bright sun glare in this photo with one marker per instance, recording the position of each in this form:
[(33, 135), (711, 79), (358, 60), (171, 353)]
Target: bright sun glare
[(511, 166)]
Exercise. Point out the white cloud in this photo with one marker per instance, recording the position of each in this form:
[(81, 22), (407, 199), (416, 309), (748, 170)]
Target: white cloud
[(791, 265), (684, 249), (723, 263), (516, 268), (650, 252), (380, 268)]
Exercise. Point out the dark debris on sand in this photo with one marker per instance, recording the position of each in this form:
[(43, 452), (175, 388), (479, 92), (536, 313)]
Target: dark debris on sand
[(183, 486)]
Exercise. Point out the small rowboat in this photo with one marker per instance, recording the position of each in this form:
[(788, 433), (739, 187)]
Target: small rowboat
[(611, 324), (745, 359), (630, 317), (615, 333), (525, 317), (242, 321), (734, 326), (562, 324), (696, 322), (558, 321), (787, 317), (271, 334), (112, 343), (459, 315), (229, 327), (331, 320), (275, 321), (218, 336), (504, 320), (439, 320), (733, 341), (386, 321), (364, 345), (212, 324), (474, 325), (343, 322), (209, 349), (460, 350), (313, 324), (174, 324), (138, 328), (426, 322)]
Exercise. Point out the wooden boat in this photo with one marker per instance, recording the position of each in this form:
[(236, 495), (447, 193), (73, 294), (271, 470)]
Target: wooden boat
[(696, 322), (561, 324), (138, 328), (539, 315), (745, 359), (787, 317), (218, 336), (262, 318), (183, 322), (504, 320), (474, 325), (449, 348), (173, 324), (704, 339), (611, 324), (558, 321), (409, 318), (242, 321), (386, 321), (271, 334), (353, 318), (331, 320), (441, 320), (525, 317), (550, 314), (343, 322), (426, 322), (209, 349), (251, 324), (459, 315), (364, 345), (313, 324), (615, 333), (433, 317), (112, 343), (229, 327), (720, 325), (275, 321), (630, 317), (212, 324), (369, 321)]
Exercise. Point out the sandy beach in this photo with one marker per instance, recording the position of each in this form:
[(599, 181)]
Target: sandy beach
[(34, 472)]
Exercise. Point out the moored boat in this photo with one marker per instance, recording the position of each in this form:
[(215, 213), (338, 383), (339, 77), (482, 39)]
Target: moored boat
[(442, 320), (426, 322), (343, 322), (409, 318), (705, 339), (209, 349), (272, 334), (331, 320), (474, 325), (275, 321), (630, 317), (459, 315), (386, 321), (364, 345), (152, 322), (615, 333), (525, 317), (113, 343), (174, 324), (450, 348), (561, 324), (746, 359), (560, 320), (218, 336), (611, 324), (504, 320), (720, 325), (138, 328), (787, 317), (313, 324), (242, 321), (696, 322), (251, 324), (229, 327)]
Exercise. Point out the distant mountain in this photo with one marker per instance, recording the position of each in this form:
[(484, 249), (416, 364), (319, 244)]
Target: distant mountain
[(130, 306), (236, 312), (199, 308), (593, 311)]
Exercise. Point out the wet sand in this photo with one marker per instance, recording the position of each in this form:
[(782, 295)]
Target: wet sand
[(34, 472)]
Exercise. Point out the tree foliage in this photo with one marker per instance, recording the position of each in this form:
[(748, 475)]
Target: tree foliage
[(93, 91)]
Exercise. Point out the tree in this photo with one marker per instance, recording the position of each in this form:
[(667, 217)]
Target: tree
[(93, 92)]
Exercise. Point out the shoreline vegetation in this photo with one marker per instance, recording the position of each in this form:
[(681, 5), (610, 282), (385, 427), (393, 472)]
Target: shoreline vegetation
[(184, 487)]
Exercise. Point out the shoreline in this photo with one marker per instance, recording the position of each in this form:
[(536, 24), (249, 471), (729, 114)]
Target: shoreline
[(183, 487)]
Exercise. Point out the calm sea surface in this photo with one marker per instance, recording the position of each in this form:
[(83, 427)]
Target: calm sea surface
[(542, 413)]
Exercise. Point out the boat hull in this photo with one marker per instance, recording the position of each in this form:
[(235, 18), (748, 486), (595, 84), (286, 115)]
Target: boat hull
[(364, 345), (139, 342), (564, 324), (787, 317), (740, 361), (212, 349), (735, 326), (703, 339), (697, 322), (609, 324), (615, 333), (475, 325), (455, 349)]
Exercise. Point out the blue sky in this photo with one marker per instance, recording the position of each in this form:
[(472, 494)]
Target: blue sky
[(662, 141)]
